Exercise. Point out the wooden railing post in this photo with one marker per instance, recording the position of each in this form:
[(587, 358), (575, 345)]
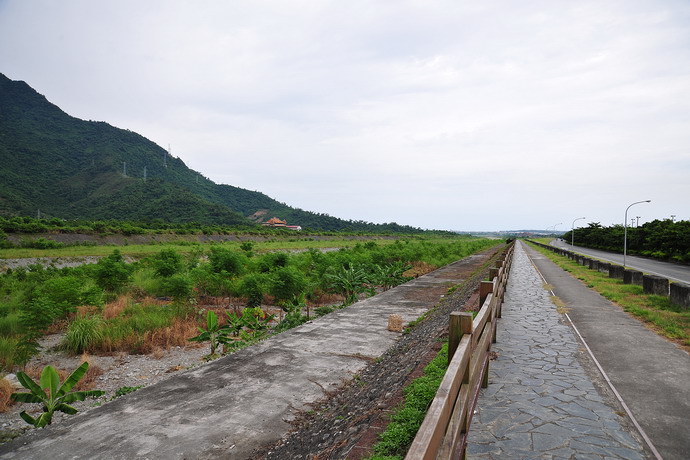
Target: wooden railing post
[(460, 324), (493, 273), (485, 288)]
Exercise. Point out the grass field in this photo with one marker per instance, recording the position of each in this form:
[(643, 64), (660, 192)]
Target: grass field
[(657, 312)]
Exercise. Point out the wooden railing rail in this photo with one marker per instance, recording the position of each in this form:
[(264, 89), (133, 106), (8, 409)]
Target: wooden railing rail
[(443, 434)]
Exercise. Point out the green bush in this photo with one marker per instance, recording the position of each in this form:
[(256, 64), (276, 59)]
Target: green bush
[(225, 261), (167, 263), (253, 287), (287, 283), (178, 286), (273, 261), (112, 273)]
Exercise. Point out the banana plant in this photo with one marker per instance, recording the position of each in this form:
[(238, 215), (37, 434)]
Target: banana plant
[(51, 394), (349, 282), (214, 333)]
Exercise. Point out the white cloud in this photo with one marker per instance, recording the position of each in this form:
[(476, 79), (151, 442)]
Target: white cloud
[(409, 111)]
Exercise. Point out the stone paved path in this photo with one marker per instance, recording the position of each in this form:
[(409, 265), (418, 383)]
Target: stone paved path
[(541, 402)]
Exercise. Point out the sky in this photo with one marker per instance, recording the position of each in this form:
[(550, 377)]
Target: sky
[(456, 115)]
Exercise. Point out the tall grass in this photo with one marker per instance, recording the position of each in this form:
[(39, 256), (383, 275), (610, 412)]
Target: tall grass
[(10, 325), (84, 334), (8, 349)]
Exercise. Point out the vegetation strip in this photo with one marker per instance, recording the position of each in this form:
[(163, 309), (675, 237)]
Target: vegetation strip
[(160, 301), (657, 311), (396, 439)]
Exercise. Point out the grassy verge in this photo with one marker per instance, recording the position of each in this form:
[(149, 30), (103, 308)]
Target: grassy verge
[(656, 311), (405, 422)]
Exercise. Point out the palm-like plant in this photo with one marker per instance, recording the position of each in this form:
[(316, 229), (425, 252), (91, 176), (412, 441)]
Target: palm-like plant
[(51, 394), (214, 333), (348, 282)]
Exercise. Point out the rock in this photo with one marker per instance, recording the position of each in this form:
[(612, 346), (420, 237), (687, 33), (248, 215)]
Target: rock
[(12, 379)]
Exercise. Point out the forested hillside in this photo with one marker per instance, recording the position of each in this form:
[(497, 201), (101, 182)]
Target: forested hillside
[(69, 168)]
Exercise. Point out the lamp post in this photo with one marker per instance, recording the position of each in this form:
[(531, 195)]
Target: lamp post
[(625, 230), (572, 231), (554, 227)]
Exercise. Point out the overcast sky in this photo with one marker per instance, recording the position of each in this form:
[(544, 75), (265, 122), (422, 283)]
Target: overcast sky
[(461, 115)]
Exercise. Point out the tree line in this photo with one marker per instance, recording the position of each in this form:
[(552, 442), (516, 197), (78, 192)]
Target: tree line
[(660, 239)]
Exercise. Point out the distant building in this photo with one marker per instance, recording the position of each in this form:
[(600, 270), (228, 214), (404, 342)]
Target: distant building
[(275, 222)]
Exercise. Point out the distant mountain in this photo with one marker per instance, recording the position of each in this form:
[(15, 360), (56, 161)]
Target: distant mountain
[(75, 169)]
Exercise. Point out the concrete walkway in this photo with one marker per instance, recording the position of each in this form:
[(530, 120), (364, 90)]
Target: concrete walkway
[(228, 408), (651, 373), (541, 401)]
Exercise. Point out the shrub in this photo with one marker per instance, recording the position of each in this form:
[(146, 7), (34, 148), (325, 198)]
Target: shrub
[(179, 287), (225, 261), (272, 261), (167, 262), (286, 283), (112, 273), (253, 287)]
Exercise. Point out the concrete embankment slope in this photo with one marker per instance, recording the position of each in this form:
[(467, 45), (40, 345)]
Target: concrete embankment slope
[(228, 408)]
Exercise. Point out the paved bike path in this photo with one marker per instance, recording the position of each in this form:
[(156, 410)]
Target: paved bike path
[(543, 400), (651, 373)]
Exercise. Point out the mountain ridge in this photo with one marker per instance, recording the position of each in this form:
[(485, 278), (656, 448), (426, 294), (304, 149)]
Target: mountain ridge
[(80, 169)]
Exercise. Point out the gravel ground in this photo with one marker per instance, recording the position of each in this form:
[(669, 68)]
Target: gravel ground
[(122, 370)]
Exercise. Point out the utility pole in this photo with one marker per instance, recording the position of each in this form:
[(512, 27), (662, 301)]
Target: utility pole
[(124, 168), (38, 215), (144, 173), (632, 221), (673, 217), (637, 223)]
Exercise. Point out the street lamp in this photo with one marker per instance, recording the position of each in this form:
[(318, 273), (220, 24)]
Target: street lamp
[(572, 231), (625, 230), (554, 228)]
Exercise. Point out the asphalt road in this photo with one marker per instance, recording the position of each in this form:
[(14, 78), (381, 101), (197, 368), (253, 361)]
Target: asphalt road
[(674, 272)]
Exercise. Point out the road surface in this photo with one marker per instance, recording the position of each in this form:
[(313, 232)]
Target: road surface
[(674, 272)]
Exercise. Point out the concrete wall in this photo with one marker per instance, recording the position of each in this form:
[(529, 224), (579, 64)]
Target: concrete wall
[(653, 284), (680, 295)]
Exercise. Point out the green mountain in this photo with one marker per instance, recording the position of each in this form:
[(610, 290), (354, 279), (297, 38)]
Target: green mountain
[(76, 169)]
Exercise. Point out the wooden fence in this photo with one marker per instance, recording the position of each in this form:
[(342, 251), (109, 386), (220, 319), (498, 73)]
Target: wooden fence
[(443, 434)]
